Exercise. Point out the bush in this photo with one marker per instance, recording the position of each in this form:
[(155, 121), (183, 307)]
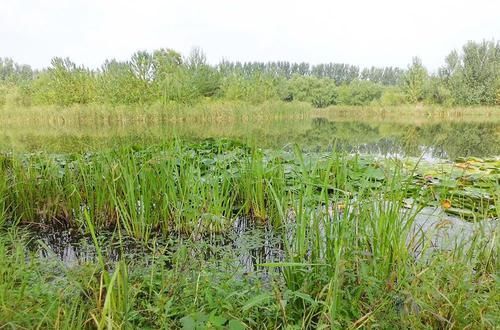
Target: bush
[(437, 93), (359, 93), (320, 92), (392, 96)]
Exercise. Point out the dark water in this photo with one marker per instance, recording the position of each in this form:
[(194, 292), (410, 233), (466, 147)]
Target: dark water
[(247, 244)]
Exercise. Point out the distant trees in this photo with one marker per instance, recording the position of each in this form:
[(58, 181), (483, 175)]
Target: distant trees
[(14, 78), (469, 77), (204, 78), (117, 84), (388, 76), (473, 76), (12, 72), (255, 88)]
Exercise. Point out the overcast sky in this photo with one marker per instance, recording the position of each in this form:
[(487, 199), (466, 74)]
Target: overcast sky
[(361, 32)]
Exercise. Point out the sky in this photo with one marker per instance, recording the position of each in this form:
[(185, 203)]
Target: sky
[(359, 32)]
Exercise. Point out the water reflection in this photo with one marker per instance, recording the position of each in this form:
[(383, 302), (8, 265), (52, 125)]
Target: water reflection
[(436, 139), (432, 140), (247, 246)]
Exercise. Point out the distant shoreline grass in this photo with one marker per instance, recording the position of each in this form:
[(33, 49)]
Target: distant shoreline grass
[(223, 111)]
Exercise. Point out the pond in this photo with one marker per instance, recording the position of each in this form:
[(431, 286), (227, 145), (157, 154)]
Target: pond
[(432, 138), (283, 220)]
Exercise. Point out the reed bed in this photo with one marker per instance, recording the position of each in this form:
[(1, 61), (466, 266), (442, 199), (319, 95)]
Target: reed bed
[(230, 112)]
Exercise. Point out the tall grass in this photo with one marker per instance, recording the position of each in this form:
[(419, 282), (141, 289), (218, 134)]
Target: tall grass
[(348, 258), (159, 189), (349, 254)]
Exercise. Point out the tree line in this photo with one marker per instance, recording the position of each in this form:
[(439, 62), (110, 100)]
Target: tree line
[(470, 76)]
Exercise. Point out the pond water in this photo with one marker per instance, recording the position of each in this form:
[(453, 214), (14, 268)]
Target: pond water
[(431, 138), (246, 245)]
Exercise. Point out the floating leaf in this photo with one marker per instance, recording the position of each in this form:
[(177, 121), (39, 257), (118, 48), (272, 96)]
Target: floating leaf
[(463, 165), (461, 212), (188, 322)]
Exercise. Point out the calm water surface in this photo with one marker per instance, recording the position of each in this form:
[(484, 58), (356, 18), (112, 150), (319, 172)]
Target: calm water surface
[(430, 138)]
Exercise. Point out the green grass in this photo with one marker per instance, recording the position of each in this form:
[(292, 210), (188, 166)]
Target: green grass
[(342, 224), (211, 111)]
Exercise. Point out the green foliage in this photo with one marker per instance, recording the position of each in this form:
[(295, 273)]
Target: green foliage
[(204, 78), (64, 83), (12, 72), (359, 93), (320, 92), (177, 87), (117, 84), (10, 95), (473, 75), (171, 78), (324, 240), (392, 96), (414, 81), (255, 88), (438, 93), (4, 91), (388, 76), (165, 77)]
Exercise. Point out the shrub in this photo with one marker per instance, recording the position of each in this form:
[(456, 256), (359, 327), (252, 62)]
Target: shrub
[(359, 93), (320, 92)]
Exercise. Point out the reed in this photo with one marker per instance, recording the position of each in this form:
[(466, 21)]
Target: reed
[(343, 226)]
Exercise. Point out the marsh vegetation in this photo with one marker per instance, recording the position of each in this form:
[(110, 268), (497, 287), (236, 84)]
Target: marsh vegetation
[(167, 193), (222, 233)]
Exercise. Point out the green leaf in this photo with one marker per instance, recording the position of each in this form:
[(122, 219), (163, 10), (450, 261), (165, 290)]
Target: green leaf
[(236, 325), (188, 323), (216, 320), (257, 300)]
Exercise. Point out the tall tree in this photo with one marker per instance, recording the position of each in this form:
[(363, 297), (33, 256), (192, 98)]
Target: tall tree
[(414, 81), (473, 76)]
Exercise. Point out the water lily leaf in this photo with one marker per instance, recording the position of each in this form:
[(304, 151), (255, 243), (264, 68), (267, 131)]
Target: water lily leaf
[(448, 183), (188, 323), (374, 173), (216, 321), (475, 160), (461, 212), (463, 165)]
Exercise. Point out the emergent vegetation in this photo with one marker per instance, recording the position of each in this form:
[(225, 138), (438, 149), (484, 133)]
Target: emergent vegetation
[(345, 254)]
